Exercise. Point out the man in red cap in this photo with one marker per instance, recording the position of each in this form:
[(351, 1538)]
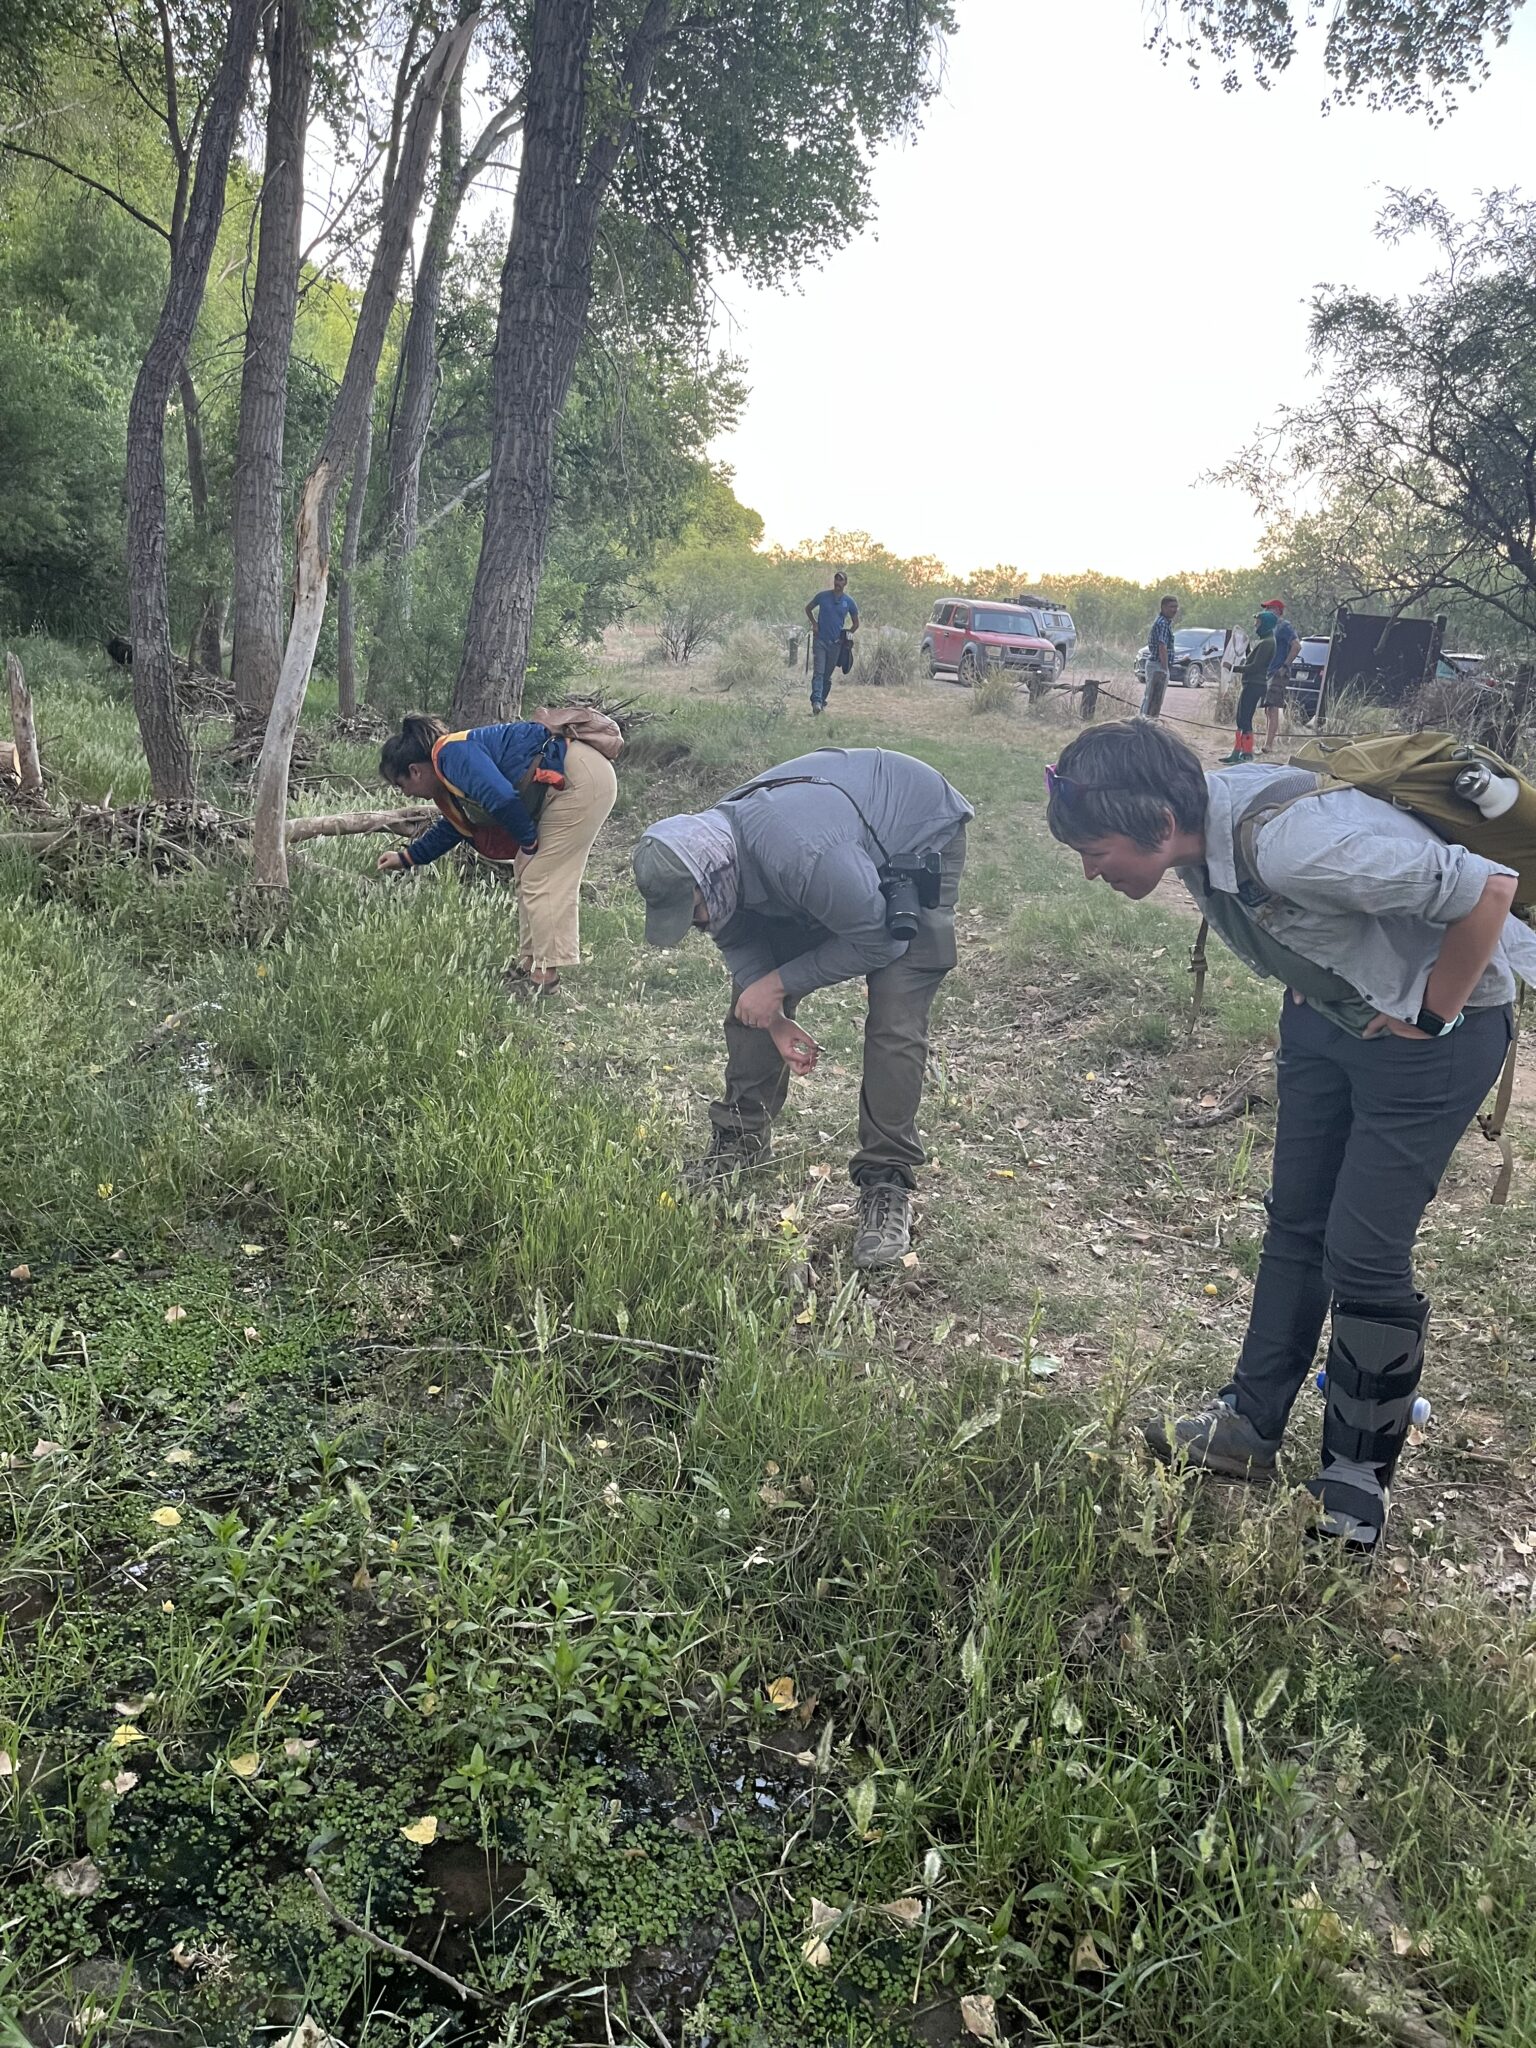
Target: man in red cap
[(1279, 671)]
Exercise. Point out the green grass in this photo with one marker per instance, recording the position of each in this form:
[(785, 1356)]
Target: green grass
[(384, 1435)]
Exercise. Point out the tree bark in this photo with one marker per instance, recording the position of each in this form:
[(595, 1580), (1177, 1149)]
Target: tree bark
[(205, 649), (154, 695), (317, 503), (546, 289), (258, 490), (29, 767), (351, 533)]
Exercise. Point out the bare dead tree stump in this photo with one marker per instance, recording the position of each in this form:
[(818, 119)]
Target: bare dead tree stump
[(29, 767)]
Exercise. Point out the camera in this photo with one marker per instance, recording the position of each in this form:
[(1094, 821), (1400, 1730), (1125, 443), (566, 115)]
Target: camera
[(908, 889)]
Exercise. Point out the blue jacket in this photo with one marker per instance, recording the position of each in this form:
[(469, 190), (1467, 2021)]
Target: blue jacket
[(483, 769)]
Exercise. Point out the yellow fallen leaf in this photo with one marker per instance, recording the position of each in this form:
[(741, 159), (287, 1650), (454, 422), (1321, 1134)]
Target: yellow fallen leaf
[(435, 1389), (806, 1315), (1086, 1957), (167, 1606), (252, 1334), (1406, 1943), (665, 1201), (247, 1764), (124, 1736), (771, 1496), (823, 1919), (253, 1251), (770, 1469), (166, 1518), (123, 1782), (177, 1314), (978, 2016), (781, 1695), (104, 1190), (362, 1579), (1004, 1173), (422, 1832), (45, 1448), (21, 1272), (179, 1457), (909, 1260), (1090, 1075), (1212, 1289), (296, 1750), (7, 1764)]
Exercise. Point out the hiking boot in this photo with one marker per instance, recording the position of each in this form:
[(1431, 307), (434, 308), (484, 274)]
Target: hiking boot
[(884, 1235), (730, 1154), (1215, 1439)]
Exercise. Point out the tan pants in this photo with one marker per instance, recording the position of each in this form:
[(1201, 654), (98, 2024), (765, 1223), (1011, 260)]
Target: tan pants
[(549, 882)]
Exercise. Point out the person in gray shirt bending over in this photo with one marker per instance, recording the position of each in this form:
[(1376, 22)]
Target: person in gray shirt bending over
[(839, 864), (1397, 950)]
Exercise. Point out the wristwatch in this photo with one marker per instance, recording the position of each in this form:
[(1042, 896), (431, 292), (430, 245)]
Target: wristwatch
[(1436, 1027)]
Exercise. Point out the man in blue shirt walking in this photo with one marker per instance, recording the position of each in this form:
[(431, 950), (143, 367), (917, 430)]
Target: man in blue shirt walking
[(832, 613)]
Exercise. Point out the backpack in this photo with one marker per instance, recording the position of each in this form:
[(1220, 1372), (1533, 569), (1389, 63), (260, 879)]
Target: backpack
[(1417, 771)]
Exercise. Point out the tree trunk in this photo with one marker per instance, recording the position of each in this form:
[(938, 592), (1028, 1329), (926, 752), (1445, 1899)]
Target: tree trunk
[(154, 695), (258, 490), (205, 649), (29, 767), (546, 288), (317, 504), (346, 627), (413, 415)]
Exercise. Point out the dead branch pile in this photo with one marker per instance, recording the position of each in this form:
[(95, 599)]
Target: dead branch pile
[(170, 837)]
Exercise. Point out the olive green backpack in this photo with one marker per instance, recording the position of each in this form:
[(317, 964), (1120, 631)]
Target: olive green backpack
[(1417, 772)]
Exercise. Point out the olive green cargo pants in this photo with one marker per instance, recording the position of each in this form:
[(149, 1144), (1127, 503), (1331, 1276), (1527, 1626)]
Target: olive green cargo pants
[(895, 1043)]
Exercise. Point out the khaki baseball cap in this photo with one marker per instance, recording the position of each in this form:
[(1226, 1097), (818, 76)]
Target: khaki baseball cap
[(666, 882)]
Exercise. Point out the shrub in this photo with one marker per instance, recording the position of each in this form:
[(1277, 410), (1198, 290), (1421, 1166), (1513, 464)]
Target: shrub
[(995, 691), (885, 658), (752, 660)]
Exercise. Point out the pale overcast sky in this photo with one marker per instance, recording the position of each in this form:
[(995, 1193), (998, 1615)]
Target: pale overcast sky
[(1054, 325)]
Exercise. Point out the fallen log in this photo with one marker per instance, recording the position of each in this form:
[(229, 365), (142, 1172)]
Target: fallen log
[(338, 824), (140, 826)]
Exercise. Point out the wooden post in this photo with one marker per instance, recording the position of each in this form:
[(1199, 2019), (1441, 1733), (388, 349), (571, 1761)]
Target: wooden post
[(28, 766), (1090, 700)]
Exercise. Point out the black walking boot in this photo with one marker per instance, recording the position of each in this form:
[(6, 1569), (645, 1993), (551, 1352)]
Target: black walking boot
[(1375, 1360), (730, 1154)]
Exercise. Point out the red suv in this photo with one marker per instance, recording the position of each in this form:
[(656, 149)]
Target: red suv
[(969, 636)]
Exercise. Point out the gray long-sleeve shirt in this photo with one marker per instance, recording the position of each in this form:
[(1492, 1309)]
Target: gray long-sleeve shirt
[(1356, 886), (806, 857)]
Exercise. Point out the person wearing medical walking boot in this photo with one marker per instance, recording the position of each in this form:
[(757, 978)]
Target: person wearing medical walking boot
[(1397, 953)]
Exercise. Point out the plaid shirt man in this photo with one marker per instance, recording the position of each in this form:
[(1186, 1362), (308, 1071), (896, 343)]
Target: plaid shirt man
[(1160, 642)]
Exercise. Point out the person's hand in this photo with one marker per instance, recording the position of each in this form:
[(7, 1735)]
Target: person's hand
[(392, 861), (798, 1050), (761, 1002), (1381, 1024)]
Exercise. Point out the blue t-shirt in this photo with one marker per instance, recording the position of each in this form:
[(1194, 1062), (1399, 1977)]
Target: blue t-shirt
[(1285, 641), (833, 611)]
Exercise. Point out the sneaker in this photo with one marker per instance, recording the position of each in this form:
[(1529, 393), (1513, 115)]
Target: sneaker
[(1231, 760), (730, 1154), (1216, 1439), (884, 1235)]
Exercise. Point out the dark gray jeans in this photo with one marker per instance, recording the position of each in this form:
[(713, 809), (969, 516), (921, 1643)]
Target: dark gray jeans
[(1366, 1127), (895, 1042), (824, 660)]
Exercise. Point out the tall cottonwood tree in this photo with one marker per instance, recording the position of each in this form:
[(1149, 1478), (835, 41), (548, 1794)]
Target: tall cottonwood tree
[(1386, 53), (257, 531), (743, 132), (154, 691), (405, 182)]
